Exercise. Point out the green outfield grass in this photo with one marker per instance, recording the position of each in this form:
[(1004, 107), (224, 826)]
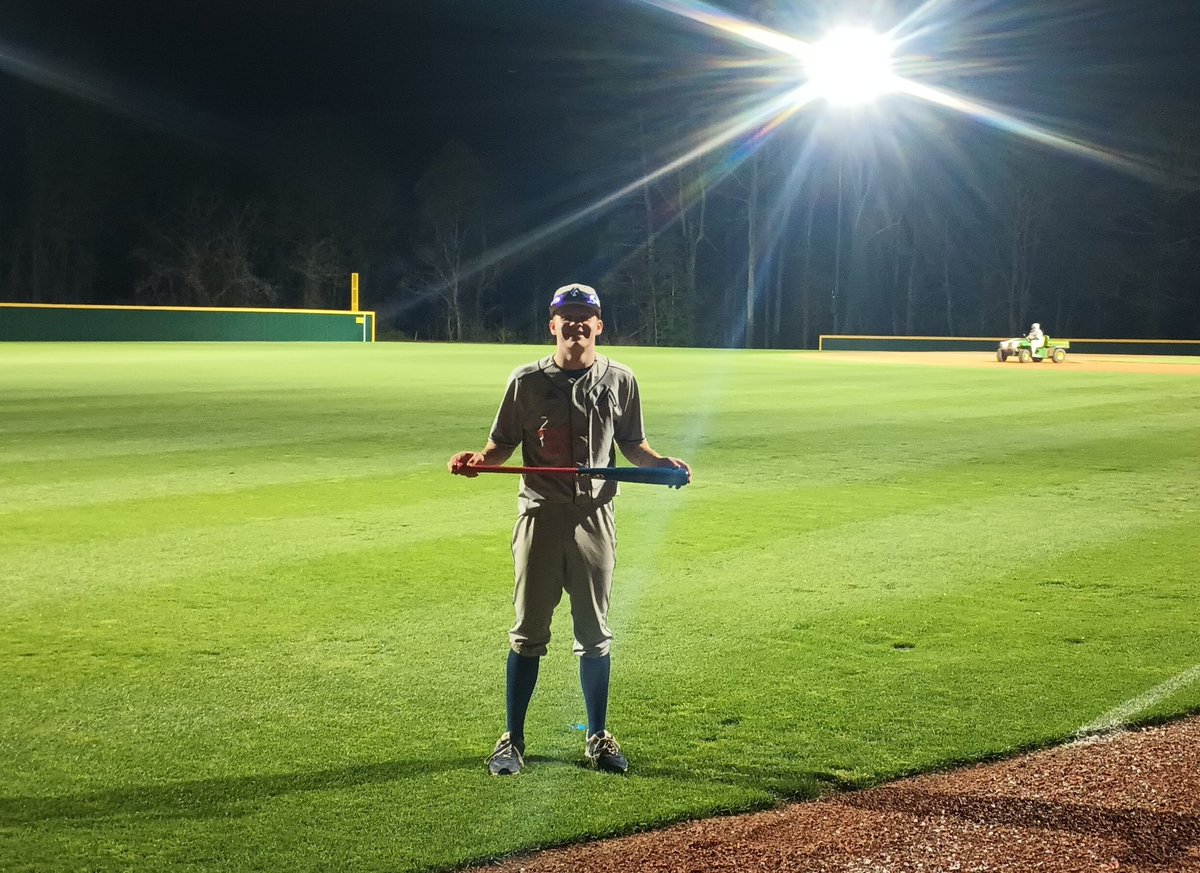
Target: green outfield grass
[(249, 622)]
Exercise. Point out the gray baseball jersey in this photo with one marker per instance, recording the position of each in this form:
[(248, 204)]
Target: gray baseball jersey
[(558, 423)]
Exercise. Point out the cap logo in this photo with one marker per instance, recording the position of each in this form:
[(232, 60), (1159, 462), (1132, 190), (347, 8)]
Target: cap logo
[(582, 295)]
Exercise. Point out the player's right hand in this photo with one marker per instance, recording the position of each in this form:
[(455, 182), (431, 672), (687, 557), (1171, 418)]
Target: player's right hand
[(460, 464)]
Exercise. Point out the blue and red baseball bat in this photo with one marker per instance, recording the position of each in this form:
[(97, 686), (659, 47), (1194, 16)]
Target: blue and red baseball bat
[(673, 477)]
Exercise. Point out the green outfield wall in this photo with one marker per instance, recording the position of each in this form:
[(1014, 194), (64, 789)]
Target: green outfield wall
[(44, 322), (856, 343)]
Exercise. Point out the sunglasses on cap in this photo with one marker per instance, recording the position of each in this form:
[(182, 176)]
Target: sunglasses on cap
[(581, 295)]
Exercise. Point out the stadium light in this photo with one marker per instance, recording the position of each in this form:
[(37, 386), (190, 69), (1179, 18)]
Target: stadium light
[(850, 66)]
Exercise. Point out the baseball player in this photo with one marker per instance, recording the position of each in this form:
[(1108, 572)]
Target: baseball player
[(568, 409)]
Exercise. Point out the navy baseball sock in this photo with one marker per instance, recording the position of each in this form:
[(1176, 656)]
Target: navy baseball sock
[(522, 676), (593, 676)]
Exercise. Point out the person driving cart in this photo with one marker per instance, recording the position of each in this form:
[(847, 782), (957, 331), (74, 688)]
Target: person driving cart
[(1036, 338)]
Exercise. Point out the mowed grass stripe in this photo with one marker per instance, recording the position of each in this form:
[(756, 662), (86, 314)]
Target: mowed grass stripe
[(190, 555), (1090, 492), (145, 539), (401, 494), (148, 459), (904, 676), (303, 670), (1062, 446)]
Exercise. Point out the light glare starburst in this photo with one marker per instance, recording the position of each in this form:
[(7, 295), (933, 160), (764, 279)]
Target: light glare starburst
[(850, 66)]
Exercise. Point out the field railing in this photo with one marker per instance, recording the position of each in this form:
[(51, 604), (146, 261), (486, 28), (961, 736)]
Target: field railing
[(59, 322)]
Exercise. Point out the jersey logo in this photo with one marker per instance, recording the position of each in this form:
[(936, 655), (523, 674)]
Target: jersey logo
[(555, 441)]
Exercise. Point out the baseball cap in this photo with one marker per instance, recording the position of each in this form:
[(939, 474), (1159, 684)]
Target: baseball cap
[(584, 295)]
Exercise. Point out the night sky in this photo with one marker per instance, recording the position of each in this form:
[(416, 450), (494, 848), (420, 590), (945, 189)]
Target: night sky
[(517, 81), (546, 92), (509, 75)]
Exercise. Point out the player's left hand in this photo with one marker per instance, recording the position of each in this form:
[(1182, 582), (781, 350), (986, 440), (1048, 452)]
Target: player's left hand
[(675, 463)]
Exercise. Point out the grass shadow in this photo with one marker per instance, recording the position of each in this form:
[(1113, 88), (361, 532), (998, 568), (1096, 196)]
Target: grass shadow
[(214, 798)]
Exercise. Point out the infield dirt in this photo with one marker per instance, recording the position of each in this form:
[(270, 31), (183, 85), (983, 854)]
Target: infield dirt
[(1166, 366)]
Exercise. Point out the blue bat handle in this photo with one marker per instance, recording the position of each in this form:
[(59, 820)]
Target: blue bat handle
[(673, 477)]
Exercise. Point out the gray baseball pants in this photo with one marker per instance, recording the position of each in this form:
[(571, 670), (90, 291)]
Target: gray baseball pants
[(561, 547)]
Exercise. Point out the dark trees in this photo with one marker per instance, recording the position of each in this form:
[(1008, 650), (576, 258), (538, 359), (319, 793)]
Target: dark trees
[(769, 239)]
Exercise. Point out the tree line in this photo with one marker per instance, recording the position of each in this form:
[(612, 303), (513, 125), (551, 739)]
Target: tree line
[(768, 240)]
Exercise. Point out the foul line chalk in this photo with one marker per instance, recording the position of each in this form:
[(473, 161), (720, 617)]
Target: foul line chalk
[(1119, 717)]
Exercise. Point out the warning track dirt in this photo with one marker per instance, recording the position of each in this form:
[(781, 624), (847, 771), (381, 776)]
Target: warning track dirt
[(1075, 363)]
